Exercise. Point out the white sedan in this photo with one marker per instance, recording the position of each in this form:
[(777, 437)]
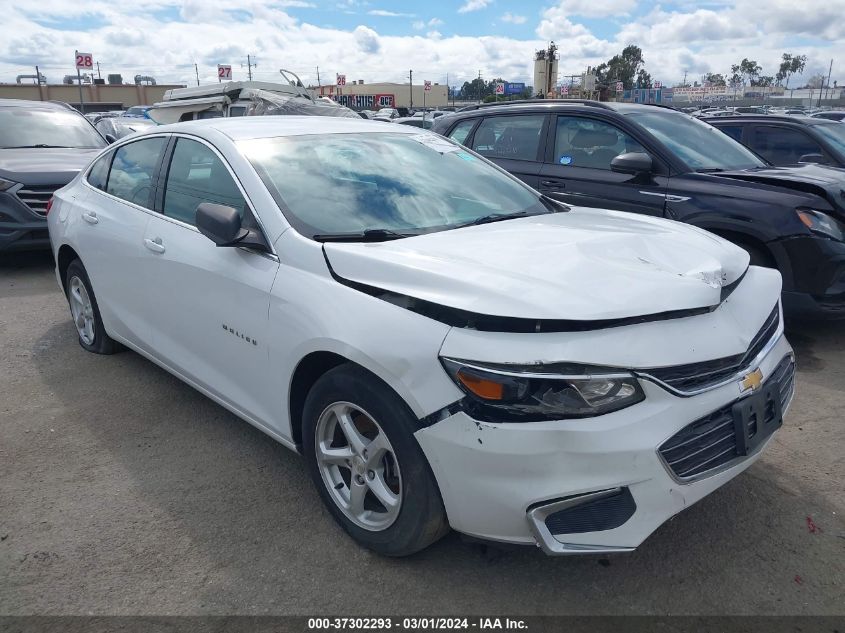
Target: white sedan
[(444, 345)]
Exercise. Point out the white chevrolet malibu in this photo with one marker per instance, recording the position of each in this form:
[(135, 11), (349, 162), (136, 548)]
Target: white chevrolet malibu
[(445, 346)]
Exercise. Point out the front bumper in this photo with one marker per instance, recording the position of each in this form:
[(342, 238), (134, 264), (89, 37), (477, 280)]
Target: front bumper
[(814, 276), (21, 228), (494, 477)]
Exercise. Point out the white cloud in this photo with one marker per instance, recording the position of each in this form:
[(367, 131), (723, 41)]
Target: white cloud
[(419, 25), (434, 35), (435, 22), (367, 39), (474, 5), (595, 8), (513, 19), (389, 14)]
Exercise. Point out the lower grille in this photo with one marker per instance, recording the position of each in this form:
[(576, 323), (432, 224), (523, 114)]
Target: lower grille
[(710, 442), (37, 196), (605, 513)]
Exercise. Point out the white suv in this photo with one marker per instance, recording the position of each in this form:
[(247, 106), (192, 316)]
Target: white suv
[(444, 345)]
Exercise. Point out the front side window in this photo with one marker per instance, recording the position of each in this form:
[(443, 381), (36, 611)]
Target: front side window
[(734, 131), (581, 142), (834, 134), (132, 170), (781, 145), (196, 175), (349, 183), (514, 137), (461, 131), (42, 127), (698, 144)]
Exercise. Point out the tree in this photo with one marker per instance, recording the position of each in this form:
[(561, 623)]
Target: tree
[(623, 67), (790, 65), (735, 79), (764, 82), (643, 79), (749, 70), (816, 81), (715, 79)]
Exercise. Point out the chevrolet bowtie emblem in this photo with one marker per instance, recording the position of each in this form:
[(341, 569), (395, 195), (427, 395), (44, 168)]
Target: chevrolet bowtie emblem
[(751, 381)]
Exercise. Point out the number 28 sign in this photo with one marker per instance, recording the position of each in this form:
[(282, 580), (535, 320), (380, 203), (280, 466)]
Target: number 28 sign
[(84, 61)]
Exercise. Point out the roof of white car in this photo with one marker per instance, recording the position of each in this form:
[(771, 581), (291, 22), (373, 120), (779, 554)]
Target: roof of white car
[(242, 128)]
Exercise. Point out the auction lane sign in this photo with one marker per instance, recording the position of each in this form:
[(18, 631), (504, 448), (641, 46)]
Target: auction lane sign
[(224, 72)]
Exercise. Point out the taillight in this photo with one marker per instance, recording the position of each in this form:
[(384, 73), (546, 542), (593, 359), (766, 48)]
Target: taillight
[(49, 205)]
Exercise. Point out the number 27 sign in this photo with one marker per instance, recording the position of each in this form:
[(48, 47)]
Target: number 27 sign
[(224, 71), (84, 61)]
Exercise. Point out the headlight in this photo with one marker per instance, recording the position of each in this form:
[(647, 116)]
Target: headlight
[(516, 393), (821, 223), (6, 184)]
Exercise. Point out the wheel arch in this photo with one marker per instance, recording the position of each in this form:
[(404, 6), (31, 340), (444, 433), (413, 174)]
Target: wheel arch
[(64, 258)]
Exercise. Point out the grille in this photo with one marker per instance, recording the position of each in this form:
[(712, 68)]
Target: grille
[(606, 513), (36, 197), (710, 442), (696, 376)]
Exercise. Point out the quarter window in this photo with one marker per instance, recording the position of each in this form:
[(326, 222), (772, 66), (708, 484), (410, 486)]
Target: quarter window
[(514, 137), (132, 171), (198, 175), (461, 131), (99, 173), (783, 146), (589, 143), (734, 131)]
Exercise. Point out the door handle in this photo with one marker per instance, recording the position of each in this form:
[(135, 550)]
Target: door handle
[(553, 183), (90, 217), (154, 245)]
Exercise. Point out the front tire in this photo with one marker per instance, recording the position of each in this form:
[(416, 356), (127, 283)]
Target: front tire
[(368, 468), (86, 315)]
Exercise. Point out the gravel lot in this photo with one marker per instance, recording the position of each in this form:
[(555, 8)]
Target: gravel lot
[(124, 491)]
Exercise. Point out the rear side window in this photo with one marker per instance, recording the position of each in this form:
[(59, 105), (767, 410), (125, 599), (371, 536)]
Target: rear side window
[(99, 173), (513, 137), (461, 131), (198, 175), (132, 171), (734, 131), (783, 146)]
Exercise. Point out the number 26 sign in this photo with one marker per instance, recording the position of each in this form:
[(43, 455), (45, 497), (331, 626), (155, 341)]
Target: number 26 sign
[(84, 61)]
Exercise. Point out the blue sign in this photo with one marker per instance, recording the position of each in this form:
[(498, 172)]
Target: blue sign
[(514, 88)]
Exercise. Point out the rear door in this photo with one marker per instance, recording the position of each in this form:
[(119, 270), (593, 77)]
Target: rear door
[(512, 141), (113, 219), (211, 303), (782, 145), (577, 168)]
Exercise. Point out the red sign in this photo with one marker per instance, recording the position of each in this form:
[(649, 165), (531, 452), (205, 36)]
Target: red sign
[(341, 80), (224, 71), (426, 85), (84, 61)]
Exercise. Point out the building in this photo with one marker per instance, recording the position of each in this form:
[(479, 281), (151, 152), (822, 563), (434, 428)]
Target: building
[(97, 97), (360, 96)]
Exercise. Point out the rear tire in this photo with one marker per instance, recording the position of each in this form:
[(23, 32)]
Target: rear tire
[(368, 468), (85, 313)]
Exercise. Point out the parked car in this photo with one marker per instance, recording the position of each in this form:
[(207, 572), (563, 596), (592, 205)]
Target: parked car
[(833, 115), (387, 113), (115, 128), (43, 145), (788, 140), (444, 345), (138, 111), (660, 162), (415, 121)]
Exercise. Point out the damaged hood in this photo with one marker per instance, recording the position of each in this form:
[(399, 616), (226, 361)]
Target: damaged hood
[(581, 265)]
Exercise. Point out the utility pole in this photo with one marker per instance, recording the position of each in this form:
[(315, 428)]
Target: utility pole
[(98, 71), (411, 84), (38, 83), (448, 90), (319, 87), (685, 79), (197, 71), (829, 71), (479, 87), (249, 66)]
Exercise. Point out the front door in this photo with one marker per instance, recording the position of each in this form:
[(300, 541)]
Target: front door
[(211, 303), (514, 143), (577, 168)]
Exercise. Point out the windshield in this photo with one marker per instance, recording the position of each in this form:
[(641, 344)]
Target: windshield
[(700, 145), (834, 133), (406, 183), (35, 127)]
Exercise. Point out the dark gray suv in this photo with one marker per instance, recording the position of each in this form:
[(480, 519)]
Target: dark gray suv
[(43, 145)]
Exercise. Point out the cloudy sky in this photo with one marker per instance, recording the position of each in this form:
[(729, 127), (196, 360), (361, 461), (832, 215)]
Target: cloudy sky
[(379, 40)]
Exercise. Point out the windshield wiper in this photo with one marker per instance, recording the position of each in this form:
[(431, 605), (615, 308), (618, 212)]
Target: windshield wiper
[(370, 235), (710, 170), (39, 145), (494, 217)]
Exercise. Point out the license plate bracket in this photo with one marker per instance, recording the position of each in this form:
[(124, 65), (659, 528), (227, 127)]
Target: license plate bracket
[(756, 418)]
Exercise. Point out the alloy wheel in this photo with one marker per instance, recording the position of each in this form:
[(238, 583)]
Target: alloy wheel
[(82, 310)]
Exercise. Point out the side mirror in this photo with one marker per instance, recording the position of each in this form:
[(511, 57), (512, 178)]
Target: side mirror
[(813, 158), (111, 138), (222, 225), (636, 163)]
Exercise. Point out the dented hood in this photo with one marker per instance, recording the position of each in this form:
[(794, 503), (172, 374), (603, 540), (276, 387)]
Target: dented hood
[(582, 265)]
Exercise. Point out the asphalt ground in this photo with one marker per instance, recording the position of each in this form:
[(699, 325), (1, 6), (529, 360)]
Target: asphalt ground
[(124, 491)]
